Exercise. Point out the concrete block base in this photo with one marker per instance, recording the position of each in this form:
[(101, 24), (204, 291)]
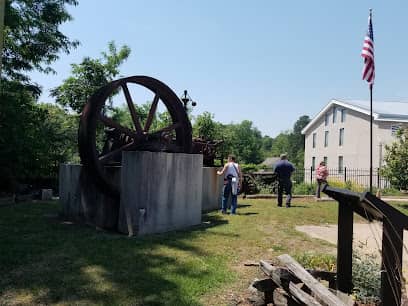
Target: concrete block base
[(160, 192), (212, 189), (82, 201)]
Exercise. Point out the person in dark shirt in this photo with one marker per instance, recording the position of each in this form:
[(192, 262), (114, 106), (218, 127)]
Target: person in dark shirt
[(284, 169)]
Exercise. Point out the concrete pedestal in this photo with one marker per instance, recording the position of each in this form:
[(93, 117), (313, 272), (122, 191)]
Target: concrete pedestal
[(82, 201), (212, 189), (160, 192)]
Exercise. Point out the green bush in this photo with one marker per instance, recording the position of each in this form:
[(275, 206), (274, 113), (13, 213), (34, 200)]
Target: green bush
[(366, 272), (350, 185), (266, 188), (391, 191), (366, 276), (304, 188), (249, 167), (323, 262)]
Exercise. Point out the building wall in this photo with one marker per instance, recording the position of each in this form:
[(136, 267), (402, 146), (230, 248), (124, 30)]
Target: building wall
[(356, 146)]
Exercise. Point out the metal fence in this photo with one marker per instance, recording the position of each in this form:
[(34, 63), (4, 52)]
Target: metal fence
[(358, 176)]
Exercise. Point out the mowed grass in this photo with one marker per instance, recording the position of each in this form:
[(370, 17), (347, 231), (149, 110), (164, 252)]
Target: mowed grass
[(46, 261)]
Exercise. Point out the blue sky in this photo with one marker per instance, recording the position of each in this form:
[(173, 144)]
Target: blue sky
[(266, 61)]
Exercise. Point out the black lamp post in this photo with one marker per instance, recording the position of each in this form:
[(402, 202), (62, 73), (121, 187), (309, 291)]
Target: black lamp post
[(185, 98)]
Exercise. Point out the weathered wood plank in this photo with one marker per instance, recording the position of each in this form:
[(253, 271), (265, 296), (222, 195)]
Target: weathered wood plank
[(264, 285), (302, 296), (279, 276), (313, 284), (282, 272)]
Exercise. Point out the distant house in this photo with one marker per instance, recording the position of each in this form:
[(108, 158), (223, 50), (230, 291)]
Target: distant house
[(340, 133), (270, 162)]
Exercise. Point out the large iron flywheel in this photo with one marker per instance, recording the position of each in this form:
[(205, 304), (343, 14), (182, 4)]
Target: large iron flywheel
[(103, 135)]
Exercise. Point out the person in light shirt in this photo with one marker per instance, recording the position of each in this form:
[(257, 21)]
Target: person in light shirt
[(321, 177), (232, 183)]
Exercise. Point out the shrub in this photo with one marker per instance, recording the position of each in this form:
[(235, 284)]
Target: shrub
[(366, 276), (304, 188), (266, 188), (249, 167), (366, 272), (391, 191), (350, 185), (317, 261)]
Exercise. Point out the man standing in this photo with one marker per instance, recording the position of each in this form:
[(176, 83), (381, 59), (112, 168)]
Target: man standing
[(284, 169)]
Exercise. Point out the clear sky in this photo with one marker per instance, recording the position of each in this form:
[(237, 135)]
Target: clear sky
[(266, 61)]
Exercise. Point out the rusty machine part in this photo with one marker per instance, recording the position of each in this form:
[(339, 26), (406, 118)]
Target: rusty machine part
[(208, 148), (116, 138)]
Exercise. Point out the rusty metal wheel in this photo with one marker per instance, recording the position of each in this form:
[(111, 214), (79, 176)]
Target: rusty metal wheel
[(102, 139)]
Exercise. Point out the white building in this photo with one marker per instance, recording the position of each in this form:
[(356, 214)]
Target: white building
[(340, 133)]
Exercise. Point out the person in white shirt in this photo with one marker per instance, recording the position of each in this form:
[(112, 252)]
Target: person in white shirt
[(232, 183)]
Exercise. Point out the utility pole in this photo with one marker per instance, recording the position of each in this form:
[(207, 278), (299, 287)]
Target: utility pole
[(2, 13)]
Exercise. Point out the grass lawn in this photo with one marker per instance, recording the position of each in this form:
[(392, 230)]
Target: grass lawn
[(46, 261)]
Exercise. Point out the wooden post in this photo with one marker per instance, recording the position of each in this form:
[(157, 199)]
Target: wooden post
[(345, 248), (391, 263)]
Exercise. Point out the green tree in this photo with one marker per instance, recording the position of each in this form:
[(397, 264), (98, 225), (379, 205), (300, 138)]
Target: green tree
[(34, 138), (205, 127), (32, 38), (292, 142), (121, 114), (396, 161), (297, 141), (88, 76), (59, 133), (267, 143), (281, 143), (32, 41), (18, 120), (245, 142)]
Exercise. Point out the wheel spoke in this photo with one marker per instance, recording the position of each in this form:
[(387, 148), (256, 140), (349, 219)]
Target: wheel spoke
[(105, 158), (152, 111), (132, 109), (109, 122)]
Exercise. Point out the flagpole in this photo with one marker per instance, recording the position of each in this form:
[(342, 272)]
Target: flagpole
[(371, 138)]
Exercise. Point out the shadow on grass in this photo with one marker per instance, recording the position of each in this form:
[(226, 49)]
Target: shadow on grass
[(247, 213), (45, 262), (243, 205), (404, 206), (299, 206)]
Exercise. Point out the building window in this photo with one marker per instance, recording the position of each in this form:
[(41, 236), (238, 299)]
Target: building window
[(314, 140), (341, 166), (341, 137), (326, 138), (326, 119), (334, 114), (325, 160), (343, 115), (394, 129), (313, 163)]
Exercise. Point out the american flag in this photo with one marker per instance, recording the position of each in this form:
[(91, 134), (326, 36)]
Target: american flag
[(368, 54)]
